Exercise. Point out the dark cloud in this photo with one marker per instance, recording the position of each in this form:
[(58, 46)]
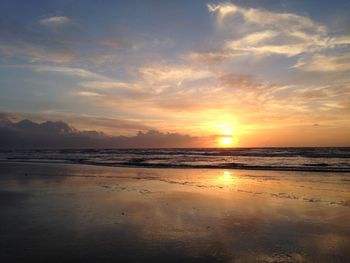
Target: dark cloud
[(49, 134)]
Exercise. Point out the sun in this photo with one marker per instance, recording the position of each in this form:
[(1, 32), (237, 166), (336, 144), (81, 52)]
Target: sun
[(226, 135), (226, 138), (226, 141)]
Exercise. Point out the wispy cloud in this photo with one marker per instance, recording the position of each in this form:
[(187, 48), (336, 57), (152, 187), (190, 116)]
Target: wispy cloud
[(325, 63), (262, 32), (263, 18), (89, 94), (207, 58), (108, 85), (163, 75), (37, 54), (54, 21), (151, 80), (116, 90), (70, 71), (273, 42)]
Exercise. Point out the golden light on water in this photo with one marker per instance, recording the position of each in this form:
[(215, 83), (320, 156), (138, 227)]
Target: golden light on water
[(227, 175), (227, 178)]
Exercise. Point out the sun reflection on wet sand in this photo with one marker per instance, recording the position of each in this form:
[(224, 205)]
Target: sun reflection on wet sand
[(173, 215), (227, 179)]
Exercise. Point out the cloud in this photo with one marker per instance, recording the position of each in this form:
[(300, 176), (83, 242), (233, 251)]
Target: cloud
[(223, 91), (161, 77), (315, 93), (150, 80), (116, 90), (325, 63), (153, 94), (211, 57), (263, 18), (49, 134), (107, 85), (273, 42), (37, 54), (67, 71), (83, 122), (262, 32), (241, 82), (112, 43), (172, 73), (89, 94), (54, 21), (111, 126), (10, 116), (27, 42)]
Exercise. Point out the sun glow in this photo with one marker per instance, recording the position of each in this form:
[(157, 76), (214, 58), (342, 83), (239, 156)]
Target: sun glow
[(226, 141)]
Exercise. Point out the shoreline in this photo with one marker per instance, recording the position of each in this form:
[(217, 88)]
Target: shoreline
[(311, 169)]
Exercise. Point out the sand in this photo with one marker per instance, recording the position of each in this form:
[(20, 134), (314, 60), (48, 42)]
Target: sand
[(80, 213)]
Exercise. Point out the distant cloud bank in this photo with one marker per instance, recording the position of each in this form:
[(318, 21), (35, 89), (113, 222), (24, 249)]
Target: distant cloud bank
[(58, 134)]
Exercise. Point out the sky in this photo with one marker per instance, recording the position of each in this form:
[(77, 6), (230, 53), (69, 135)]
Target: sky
[(233, 73)]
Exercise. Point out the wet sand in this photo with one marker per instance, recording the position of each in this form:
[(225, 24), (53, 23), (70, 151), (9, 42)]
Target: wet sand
[(80, 213)]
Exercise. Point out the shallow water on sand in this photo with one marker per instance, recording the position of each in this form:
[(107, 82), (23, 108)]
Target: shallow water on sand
[(78, 213)]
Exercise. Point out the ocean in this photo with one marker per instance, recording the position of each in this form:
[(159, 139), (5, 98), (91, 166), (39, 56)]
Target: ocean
[(322, 159)]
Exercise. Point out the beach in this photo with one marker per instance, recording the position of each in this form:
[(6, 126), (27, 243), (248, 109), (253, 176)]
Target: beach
[(85, 213)]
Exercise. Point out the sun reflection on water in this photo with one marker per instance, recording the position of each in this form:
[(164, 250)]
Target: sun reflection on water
[(227, 178)]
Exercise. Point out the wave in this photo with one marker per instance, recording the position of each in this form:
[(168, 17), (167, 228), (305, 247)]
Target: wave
[(332, 159), (306, 168), (310, 152)]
